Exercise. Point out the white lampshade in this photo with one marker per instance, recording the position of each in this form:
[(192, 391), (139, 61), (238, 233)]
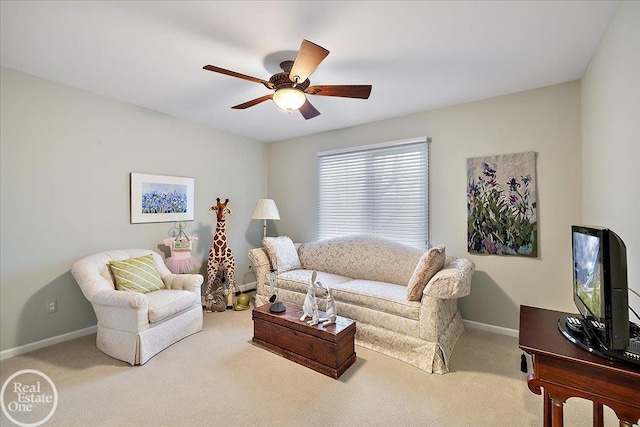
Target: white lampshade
[(266, 209), (289, 99)]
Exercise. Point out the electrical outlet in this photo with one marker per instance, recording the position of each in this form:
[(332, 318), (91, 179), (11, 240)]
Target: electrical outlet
[(52, 305)]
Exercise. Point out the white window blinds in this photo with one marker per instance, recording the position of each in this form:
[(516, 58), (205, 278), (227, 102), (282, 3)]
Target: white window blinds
[(379, 189)]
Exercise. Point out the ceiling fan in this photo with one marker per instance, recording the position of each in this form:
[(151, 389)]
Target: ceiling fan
[(292, 85)]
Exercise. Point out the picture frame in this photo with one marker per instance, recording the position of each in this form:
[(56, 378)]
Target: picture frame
[(161, 198)]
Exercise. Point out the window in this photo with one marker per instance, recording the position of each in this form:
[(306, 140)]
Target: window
[(379, 189)]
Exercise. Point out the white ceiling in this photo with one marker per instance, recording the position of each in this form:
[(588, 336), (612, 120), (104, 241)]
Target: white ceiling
[(417, 55)]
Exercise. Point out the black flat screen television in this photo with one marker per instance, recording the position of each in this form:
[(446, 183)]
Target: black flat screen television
[(600, 289)]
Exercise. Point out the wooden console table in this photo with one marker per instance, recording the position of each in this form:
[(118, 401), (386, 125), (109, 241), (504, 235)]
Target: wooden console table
[(562, 370)]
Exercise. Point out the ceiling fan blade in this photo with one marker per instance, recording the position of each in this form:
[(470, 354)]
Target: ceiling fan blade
[(252, 102), (215, 69), (309, 57), (345, 91), (308, 111)]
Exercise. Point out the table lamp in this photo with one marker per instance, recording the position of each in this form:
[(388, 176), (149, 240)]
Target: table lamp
[(265, 209)]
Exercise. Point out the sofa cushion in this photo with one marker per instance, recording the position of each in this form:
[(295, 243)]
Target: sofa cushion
[(377, 296), (136, 274), (453, 281), (299, 280), (166, 303), (430, 263), (282, 253)]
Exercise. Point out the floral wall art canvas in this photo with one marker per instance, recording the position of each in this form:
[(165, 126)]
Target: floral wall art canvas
[(160, 198), (501, 205)]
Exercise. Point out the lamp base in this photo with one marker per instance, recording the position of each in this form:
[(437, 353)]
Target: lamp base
[(277, 307)]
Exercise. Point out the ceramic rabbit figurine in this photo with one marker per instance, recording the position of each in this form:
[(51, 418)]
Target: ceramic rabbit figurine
[(315, 318), (332, 312), (310, 300)]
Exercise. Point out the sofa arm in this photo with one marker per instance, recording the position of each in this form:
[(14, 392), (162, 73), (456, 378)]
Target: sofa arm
[(262, 265), (186, 282), (121, 310), (121, 299), (452, 281)]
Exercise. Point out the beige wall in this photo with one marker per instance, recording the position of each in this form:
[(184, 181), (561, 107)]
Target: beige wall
[(545, 120), (66, 156), (611, 136)]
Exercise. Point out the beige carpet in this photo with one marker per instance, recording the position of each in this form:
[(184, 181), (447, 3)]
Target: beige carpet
[(218, 378)]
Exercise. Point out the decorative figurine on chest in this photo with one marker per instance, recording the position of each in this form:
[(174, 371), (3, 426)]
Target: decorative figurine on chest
[(310, 305), (332, 312)]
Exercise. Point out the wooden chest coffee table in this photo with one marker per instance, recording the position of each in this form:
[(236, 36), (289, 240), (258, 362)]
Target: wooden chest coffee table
[(325, 349)]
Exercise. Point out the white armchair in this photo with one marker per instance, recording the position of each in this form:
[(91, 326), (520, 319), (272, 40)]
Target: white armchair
[(133, 326)]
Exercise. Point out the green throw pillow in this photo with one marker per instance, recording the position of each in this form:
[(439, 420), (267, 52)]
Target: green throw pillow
[(137, 274)]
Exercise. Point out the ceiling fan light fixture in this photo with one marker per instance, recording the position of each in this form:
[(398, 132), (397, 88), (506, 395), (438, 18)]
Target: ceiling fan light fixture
[(292, 85), (289, 99)]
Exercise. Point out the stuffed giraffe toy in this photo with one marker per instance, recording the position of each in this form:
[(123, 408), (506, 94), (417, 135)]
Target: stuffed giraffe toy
[(220, 255)]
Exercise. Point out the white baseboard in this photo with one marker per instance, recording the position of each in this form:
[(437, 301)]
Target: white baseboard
[(242, 288), (5, 354), (469, 324), (247, 287)]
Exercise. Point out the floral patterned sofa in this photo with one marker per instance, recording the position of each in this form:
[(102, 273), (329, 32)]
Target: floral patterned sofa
[(404, 300)]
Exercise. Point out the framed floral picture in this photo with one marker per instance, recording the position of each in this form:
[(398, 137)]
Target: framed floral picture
[(161, 198), (502, 205)]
